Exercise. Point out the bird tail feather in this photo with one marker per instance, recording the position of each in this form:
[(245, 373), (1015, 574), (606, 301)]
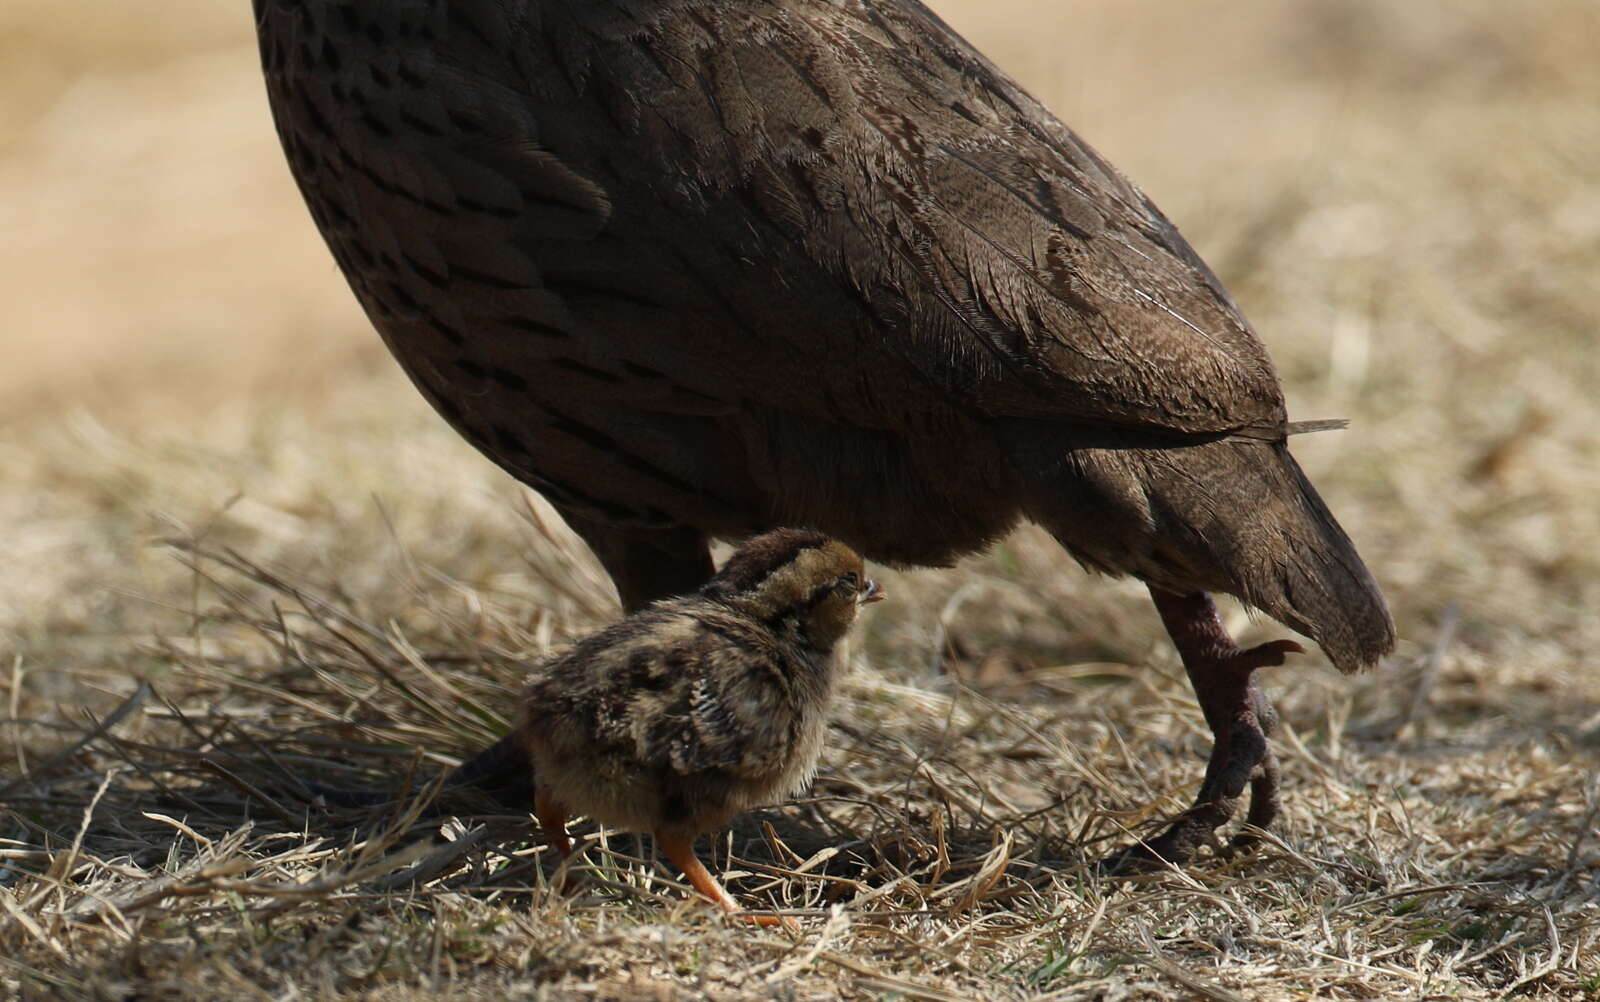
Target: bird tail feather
[(1232, 515), (500, 771), (1289, 557)]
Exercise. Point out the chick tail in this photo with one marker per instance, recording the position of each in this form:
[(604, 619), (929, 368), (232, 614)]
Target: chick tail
[(500, 771), (339, 796)]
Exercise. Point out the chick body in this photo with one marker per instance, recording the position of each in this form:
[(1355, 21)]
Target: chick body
[(680, 716)]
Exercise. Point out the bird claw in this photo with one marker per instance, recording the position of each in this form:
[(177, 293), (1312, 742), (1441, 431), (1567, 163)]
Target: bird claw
[(1268, 655), (767, 921)]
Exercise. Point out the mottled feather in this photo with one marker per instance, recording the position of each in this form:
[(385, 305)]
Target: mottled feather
[(696, 707)]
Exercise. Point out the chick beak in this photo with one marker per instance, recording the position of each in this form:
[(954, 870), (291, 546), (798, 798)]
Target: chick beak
[(871, 592)]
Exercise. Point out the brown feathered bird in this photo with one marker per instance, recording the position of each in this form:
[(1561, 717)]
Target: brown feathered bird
[(697, 268), (679, 716)]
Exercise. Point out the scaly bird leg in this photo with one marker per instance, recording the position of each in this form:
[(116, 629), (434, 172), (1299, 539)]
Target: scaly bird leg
[(1241, 719), (681, 851)]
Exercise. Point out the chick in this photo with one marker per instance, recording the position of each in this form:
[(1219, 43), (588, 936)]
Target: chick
[(676, 718)]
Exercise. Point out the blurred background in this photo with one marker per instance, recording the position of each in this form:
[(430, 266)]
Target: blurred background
[(1404, 197)]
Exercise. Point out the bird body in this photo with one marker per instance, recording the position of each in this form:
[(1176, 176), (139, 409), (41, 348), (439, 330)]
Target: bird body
[(586, 322), (679, 716), (678, 710), (698, 268)]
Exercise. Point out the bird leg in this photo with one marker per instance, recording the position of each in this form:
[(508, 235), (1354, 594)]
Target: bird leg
[(681, 851), (1241, 719), (647, 565), (553, 822)]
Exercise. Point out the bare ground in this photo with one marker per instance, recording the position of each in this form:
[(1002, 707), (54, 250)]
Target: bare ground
[(241, 554)]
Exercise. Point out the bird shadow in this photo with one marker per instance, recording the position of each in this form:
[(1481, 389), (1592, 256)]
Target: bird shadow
[(238, 800)]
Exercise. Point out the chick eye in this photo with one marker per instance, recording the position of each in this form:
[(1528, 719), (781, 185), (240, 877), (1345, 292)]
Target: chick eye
[(849, 584)]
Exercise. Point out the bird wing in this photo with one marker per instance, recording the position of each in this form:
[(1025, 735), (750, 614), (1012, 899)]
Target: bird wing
[(728, 721), (673, 692), (926, 229), (834, 208)]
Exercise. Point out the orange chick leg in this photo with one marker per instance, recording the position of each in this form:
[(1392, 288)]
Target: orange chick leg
[(681, 851), (553, 822)]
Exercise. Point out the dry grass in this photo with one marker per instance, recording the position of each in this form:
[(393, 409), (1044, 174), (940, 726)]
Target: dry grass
[(241, 555)]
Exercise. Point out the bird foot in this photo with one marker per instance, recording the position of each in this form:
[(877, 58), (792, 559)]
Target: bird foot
[(769, 921), (681, 851), (1241, 718)]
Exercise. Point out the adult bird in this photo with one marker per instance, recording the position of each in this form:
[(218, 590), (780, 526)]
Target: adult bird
[(696, 268)]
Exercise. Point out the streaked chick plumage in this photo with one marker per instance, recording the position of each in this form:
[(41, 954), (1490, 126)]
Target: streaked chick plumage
[(679, 716)]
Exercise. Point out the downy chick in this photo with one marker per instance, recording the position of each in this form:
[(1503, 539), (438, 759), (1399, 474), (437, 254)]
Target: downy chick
[(676, 718)]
